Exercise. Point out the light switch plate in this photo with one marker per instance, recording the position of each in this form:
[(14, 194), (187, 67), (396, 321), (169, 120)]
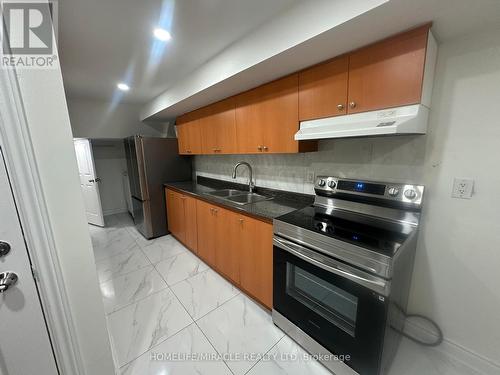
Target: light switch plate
[(462, 188)]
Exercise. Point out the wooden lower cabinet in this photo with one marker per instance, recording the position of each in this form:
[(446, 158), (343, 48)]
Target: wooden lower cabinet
[(176, 215), (205, 214), (181, 216), (235, 245), (256, 261)]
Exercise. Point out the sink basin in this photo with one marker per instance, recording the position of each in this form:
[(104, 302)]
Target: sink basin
[(225, 193), (238, 196), (248, 198)]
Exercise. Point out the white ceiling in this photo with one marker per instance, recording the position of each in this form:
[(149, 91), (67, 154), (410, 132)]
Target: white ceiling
[(220, 47), (102, 42)]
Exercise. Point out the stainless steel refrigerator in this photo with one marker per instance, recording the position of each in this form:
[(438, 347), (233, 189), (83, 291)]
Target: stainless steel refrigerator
[(151, 162)]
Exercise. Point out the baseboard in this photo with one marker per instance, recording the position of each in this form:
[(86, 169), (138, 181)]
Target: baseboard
[(454, 351), (115, 211)]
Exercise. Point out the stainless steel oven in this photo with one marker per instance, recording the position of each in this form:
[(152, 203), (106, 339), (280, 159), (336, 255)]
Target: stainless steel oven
[(342, 271)]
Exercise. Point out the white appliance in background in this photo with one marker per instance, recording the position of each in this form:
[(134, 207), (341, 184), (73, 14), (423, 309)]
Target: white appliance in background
[(411, 119), (128, 195), (89, 181)]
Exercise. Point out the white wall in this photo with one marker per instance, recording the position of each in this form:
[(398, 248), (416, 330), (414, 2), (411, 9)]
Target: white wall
[(110, 164), (95, 118), (50, 133), (456, 277)]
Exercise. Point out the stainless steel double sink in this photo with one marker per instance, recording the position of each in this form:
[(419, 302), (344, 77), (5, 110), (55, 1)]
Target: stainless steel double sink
[(239, 197)]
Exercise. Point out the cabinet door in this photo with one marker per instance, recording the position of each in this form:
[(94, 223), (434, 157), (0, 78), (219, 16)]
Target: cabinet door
[(190, 223), (175, 215), (389, 73), (223, 116), (280, 115), (231, 239), (267, 117), (256, 261), (182, 138), (219, 128), (194, 137), (249, 127), (206, 231), (323, 90)]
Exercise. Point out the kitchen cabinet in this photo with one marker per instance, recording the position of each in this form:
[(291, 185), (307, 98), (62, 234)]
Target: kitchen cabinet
[(323, 89), (218, 128), (256, 260), (207, 230), (228, 244), (175, 215), (181, 215), (189, 133), (237, 246), (389, 73), (267, 118)]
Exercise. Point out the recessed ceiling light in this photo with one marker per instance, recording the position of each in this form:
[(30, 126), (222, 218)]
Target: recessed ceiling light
[(123, 86), (162, 34)]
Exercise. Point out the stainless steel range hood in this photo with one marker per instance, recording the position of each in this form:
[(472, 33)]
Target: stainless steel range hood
[(411, 119)]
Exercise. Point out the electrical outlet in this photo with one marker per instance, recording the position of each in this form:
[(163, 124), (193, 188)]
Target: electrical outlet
[(462, 188), (310, 177)]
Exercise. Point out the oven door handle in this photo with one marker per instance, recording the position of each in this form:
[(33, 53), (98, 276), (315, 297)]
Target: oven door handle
[(328, 264)]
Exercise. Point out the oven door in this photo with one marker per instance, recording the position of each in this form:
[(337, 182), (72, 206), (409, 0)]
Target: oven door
[(342, 308)]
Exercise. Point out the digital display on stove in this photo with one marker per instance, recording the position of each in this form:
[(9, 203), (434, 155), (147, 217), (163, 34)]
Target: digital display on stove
[(361, 187)]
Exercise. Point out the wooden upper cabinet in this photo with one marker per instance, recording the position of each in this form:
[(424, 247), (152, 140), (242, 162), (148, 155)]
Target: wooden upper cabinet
[(267, 117), (189, 133), (389, 73), (218, 128), (323, 89)]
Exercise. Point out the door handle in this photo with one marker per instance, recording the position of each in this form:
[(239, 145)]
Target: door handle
[(7, 279), (4, 248)]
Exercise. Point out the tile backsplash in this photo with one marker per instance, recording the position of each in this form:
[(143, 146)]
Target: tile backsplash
[(394, 159)]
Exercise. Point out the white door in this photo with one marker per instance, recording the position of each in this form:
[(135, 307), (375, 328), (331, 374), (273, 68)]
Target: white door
[(89, 181), (24, 340)]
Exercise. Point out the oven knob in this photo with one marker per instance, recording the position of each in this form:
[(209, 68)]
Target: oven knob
[(393, 191), (410, 194), (321, 183), (332, 184)]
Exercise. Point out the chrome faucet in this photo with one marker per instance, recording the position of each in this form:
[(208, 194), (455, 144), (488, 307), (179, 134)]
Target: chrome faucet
[(250, 182)]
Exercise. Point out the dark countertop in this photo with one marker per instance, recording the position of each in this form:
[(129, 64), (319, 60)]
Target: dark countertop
[(282, 203)]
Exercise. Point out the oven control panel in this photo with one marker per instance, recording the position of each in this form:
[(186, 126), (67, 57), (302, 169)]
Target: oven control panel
[(405, 193)]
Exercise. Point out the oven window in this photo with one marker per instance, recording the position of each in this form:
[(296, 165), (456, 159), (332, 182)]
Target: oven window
[(332, 303)]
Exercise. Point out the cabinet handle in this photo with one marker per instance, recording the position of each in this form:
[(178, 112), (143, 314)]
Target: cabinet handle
[(241, 221), (259, 148), (214, 150), (266, 148), (188, 151), (352, 104), (340, 107), (216, 210)]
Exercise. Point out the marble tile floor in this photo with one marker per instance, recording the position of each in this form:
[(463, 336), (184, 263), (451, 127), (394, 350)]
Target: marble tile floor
[(169, 313)]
